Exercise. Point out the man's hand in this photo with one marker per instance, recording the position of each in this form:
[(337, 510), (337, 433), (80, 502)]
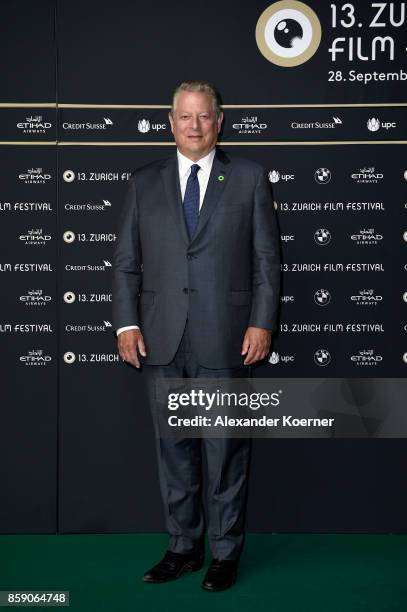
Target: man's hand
[(129, 344), (256, 344)]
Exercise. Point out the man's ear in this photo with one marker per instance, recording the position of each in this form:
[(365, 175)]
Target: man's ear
[(220, 119), (171, 121)]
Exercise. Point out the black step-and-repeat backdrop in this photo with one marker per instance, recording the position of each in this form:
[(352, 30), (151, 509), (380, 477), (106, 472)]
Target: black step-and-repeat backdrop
[(315, 92)]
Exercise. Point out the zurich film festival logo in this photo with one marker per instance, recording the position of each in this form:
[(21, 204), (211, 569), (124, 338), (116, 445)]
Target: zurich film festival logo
[(288, 33)]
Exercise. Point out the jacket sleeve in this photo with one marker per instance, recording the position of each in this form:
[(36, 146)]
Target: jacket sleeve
[(266, 258), (127, 264)]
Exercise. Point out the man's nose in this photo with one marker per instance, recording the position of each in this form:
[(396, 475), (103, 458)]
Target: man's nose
[(195, 123)]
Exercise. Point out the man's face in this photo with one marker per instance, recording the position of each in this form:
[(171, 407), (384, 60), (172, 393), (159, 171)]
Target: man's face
[(194, 124)]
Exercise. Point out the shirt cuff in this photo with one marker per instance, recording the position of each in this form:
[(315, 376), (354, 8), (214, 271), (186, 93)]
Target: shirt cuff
[(122, 329)]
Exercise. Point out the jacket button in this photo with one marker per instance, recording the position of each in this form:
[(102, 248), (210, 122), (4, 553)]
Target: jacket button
[(185, 290), (189, 257)]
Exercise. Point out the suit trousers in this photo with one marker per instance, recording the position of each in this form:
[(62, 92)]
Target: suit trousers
[(180, 462)]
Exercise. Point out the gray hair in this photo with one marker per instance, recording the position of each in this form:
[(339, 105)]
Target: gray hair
[(201, 86)]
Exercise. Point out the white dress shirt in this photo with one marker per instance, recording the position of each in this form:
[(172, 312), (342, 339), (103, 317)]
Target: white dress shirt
[(184, 170)]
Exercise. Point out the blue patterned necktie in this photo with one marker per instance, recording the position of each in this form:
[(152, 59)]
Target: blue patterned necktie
[(191, 201)]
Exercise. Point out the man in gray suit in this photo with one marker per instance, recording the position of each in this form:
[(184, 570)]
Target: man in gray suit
[(195, 294)]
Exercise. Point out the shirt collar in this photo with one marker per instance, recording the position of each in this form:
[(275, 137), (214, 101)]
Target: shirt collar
[(184, 163)]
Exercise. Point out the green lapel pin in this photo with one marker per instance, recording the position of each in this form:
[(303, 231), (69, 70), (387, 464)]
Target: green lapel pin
[(221, 177)]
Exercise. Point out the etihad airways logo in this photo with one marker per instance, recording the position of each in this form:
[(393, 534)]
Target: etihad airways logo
[(367, 175), (36, 357), (35, 297), (366, 357), (34, 124), (249, 125), (35, 176), (35, 237), (367, 237), (366, 297)]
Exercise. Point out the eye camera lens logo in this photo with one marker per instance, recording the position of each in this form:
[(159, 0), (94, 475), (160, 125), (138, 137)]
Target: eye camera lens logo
[(322, 176), (69, 176), (322, 357), (69, 357), (288, 33), (69, 236), (69, 297), (322, 297), (322, 236)]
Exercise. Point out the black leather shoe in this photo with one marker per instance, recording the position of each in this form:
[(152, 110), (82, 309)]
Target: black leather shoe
[(221, 575), (172, 566)]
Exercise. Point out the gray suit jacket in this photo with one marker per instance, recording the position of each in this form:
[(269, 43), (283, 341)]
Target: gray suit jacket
[(223, 280)]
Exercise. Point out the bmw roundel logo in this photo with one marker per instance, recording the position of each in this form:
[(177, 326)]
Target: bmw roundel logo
[(322, 297), (322, 176), (322, 236), (322, 357)]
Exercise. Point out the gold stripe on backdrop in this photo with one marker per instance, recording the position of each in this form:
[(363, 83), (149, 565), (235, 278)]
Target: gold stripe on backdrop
[(170, 144), (140, 106)]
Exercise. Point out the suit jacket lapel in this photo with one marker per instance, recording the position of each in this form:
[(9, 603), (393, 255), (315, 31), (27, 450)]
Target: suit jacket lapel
[(170, 176), (216, 184)]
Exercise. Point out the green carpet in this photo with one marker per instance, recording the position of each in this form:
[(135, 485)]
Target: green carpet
[(278, 573)]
